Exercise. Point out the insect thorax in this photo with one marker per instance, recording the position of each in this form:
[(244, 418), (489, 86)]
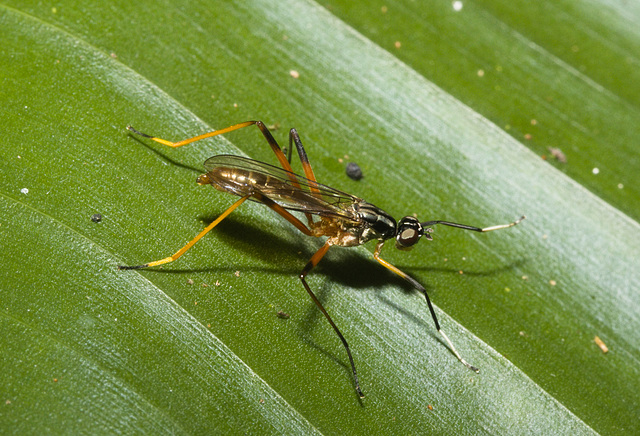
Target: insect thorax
[(378, 224), (372, 224)]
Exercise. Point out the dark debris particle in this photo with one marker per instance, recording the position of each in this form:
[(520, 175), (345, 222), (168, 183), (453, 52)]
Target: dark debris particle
[(282, 315), (96, 217), (354, 171)]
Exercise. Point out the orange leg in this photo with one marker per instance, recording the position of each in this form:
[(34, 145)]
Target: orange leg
[(265, 131), (312, 263), (192, 242), (284, 161), (421, 288)]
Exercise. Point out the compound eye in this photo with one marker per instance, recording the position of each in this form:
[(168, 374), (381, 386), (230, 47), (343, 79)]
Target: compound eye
[(408, 237), (409, 232)]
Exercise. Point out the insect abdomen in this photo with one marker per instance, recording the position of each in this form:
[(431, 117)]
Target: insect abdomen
[(241, 182)]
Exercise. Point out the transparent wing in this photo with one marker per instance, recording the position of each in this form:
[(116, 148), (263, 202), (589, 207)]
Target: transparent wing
[(287, 189)]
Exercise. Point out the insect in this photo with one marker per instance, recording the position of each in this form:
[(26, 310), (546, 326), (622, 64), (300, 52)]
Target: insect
[(345, 220)]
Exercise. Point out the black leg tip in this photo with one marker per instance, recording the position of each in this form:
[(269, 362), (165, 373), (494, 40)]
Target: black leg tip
[(124, 267), (137, 132)]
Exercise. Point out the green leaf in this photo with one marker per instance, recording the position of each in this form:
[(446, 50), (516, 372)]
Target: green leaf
[(90, 349)]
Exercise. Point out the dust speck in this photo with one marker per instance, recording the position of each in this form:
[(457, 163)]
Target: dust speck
[(601, 344)]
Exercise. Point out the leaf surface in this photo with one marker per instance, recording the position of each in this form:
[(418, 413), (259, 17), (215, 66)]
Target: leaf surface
[(92, 349)]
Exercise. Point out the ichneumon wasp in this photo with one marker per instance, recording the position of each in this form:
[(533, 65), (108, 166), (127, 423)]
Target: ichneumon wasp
[(346, 220)]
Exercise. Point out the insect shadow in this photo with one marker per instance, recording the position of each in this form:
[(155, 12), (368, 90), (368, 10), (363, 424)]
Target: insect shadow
[(346, 268)]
